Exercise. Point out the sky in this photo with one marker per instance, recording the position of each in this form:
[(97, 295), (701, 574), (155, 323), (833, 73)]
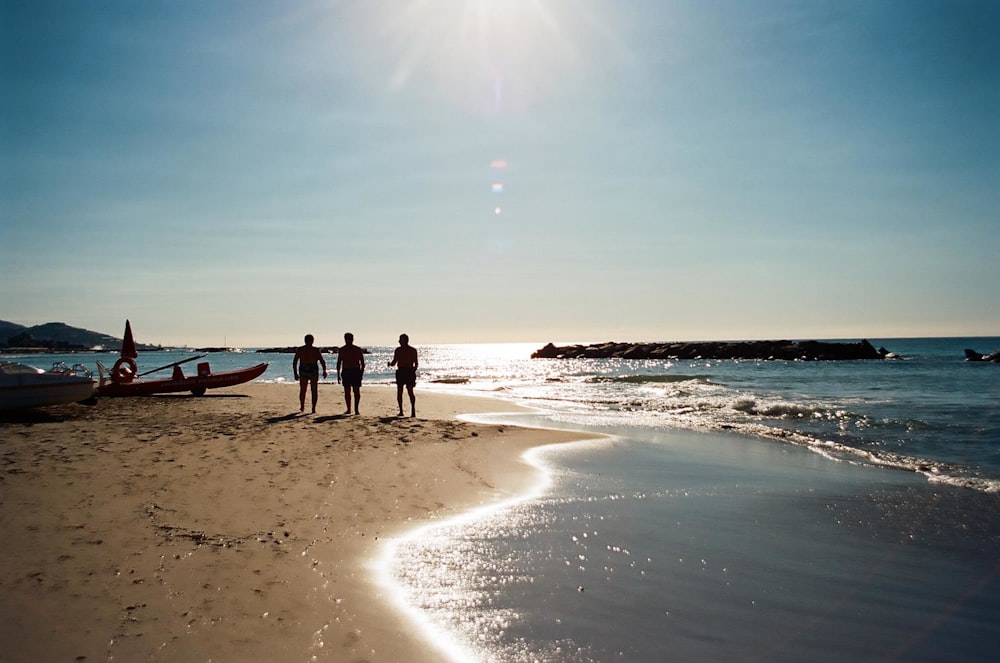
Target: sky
[(245, 172)]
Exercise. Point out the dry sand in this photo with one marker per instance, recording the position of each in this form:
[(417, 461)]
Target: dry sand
[(230, 527)]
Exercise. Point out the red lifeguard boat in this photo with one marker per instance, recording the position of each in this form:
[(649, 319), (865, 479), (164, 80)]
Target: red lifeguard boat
[(123, 379)]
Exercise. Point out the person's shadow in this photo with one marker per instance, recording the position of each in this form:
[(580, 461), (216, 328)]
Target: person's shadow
[(287, 417), (330, 417)]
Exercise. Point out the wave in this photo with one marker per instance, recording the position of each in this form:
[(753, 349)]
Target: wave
[(780, 409), (936, 471), (643, 379), (763, 419)]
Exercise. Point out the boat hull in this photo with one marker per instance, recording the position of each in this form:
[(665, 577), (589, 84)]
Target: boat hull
[(196, 384), (22, 386)]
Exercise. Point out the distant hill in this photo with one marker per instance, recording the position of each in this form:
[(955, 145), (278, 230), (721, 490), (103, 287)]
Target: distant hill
[(58, 335), (8, 329)]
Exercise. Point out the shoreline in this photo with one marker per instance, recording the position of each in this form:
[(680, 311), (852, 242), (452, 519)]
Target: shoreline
[(231, 527)]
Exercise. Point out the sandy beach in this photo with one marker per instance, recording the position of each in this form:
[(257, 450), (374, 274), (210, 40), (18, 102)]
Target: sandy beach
[(231, 527)]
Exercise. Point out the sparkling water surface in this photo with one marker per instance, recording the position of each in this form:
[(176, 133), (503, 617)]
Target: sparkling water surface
[(694, 546)]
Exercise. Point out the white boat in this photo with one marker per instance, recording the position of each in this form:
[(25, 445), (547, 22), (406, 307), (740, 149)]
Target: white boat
[(24, 386)]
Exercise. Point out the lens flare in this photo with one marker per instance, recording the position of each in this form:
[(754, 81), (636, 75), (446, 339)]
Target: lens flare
[(494, 56), (498, 168)]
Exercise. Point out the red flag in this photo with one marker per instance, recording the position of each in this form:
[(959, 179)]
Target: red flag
[(128, 345)]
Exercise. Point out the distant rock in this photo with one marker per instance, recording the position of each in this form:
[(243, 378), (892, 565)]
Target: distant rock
[(972, 355), (786, 350)]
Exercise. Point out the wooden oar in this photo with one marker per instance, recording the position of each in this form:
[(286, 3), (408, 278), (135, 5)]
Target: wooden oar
[(176, 363)]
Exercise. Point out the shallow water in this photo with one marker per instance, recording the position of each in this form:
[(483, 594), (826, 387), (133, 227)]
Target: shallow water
[(685, 546)]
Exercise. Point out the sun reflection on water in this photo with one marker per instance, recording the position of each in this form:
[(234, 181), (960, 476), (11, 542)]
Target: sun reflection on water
[(417, 574)]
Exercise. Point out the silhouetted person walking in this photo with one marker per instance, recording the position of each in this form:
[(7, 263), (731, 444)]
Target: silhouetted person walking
[(305, 368), (405, 361), (350, 370)]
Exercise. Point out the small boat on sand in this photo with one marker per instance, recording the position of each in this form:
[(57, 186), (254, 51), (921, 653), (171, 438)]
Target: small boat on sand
[(24, 386), (123, 379), (196, 384)]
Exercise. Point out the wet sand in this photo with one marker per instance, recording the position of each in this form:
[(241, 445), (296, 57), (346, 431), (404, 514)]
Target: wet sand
[(231, 527)]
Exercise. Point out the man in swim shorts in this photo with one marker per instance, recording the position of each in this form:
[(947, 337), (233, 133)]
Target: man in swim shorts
[(305, 368), (350, 370), (405, 360)]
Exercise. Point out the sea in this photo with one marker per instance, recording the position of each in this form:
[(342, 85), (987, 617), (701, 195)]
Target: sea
[(732, 509)]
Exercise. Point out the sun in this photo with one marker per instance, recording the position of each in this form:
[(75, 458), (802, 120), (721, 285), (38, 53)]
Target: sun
[(492, 55)]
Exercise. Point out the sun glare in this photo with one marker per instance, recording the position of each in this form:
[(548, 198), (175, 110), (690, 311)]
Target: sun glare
[(493, 55)]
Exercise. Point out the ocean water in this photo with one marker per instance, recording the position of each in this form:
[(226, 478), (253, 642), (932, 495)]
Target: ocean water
[(737, 510)]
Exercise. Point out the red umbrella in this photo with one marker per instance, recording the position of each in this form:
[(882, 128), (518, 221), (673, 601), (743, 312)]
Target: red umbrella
[(128, 345)]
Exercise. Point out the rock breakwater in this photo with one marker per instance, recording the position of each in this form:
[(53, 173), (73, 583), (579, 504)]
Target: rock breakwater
[(786, 350)]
